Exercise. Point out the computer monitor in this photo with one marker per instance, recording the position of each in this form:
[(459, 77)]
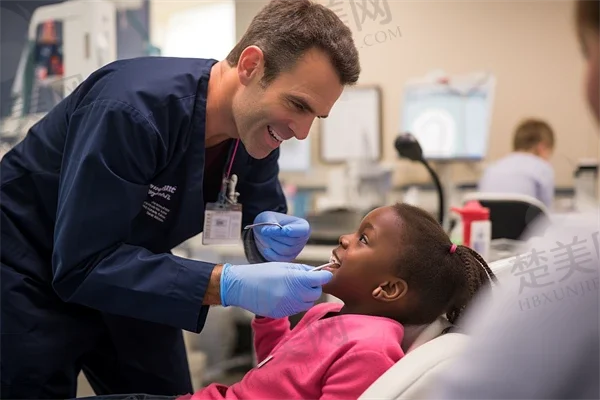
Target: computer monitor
[(450, 118)]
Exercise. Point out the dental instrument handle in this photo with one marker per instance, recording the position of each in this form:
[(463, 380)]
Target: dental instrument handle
[(263, 223), (320, 267)]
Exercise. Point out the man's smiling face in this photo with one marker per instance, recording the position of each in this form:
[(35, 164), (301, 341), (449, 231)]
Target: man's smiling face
[(266, 115)]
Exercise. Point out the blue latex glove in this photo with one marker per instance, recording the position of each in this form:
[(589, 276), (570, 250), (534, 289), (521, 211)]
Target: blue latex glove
[(280, 244), (274, 290)]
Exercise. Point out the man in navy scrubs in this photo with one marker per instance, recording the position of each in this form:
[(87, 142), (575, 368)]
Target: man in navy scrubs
[(130, 165)]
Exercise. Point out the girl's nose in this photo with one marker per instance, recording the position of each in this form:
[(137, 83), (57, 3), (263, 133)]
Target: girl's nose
[(344, 241)]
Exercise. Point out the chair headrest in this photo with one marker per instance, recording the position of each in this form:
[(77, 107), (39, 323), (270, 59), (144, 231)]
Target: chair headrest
[(416, 335), (506, 198)]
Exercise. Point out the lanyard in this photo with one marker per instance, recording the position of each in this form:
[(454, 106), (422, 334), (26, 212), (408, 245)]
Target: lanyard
[(237, 143), (228, 183)]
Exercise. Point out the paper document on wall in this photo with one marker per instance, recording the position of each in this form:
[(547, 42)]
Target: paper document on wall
[(353, 128)]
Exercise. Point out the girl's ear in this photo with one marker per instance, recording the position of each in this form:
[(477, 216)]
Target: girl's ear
[(391, 290)]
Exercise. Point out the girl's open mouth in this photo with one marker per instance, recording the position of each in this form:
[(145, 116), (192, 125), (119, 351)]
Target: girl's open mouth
[(336, 263)]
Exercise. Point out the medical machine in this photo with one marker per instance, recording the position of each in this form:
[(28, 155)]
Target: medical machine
[(66, 42), (449, 116)]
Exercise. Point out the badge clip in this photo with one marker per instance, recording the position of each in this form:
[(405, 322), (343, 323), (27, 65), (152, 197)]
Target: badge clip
[(223, 220)]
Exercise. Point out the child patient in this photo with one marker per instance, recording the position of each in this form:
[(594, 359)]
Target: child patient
[(399, 268)]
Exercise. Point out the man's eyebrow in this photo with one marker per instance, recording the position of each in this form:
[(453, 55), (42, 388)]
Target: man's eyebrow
[(304, 104)]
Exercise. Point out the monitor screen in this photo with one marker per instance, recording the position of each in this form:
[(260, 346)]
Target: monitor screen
[(450, 123)]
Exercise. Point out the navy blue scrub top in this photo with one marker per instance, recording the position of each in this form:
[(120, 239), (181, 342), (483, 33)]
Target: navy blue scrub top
[(113, 178)]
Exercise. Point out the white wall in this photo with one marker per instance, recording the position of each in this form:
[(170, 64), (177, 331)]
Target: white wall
[(530, 46), (193, 28)]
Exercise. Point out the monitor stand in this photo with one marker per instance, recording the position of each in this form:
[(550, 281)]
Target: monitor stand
[(444, 170)]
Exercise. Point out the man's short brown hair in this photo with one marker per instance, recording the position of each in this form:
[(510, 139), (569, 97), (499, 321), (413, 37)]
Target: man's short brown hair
[(532, 132), (286, 29), (587, 15)]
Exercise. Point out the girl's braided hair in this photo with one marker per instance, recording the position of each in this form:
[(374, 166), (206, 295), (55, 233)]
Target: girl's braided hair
[(444, 276)]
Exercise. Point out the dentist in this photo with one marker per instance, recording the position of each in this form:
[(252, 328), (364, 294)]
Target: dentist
[(143, 155)]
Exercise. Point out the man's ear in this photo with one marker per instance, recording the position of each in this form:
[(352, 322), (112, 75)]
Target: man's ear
[(391, 290), (542, 150), (250, 64)]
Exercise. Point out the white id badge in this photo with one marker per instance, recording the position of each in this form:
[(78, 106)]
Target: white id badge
[(222, 224)]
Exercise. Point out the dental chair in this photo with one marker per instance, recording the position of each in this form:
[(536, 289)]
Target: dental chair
[(428, 350), (511, 215)]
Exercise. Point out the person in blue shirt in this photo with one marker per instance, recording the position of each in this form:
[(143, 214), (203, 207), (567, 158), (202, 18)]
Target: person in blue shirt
[(527, 169), (139, 158)]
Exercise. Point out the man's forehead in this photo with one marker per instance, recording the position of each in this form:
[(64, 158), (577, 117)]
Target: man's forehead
[(312, 68)]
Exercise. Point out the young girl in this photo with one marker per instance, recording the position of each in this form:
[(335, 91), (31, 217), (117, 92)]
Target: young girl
[(399, 268)]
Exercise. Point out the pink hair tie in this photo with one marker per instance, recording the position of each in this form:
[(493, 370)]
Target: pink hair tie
[(452, 249)]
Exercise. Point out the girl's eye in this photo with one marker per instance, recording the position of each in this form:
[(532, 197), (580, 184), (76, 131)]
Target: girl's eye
[(363, 239)]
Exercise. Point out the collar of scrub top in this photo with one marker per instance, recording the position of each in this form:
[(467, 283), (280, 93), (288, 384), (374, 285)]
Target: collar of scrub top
[(228, 193)]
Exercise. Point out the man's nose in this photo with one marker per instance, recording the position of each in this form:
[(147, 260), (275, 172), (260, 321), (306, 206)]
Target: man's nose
[(303, 128)]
